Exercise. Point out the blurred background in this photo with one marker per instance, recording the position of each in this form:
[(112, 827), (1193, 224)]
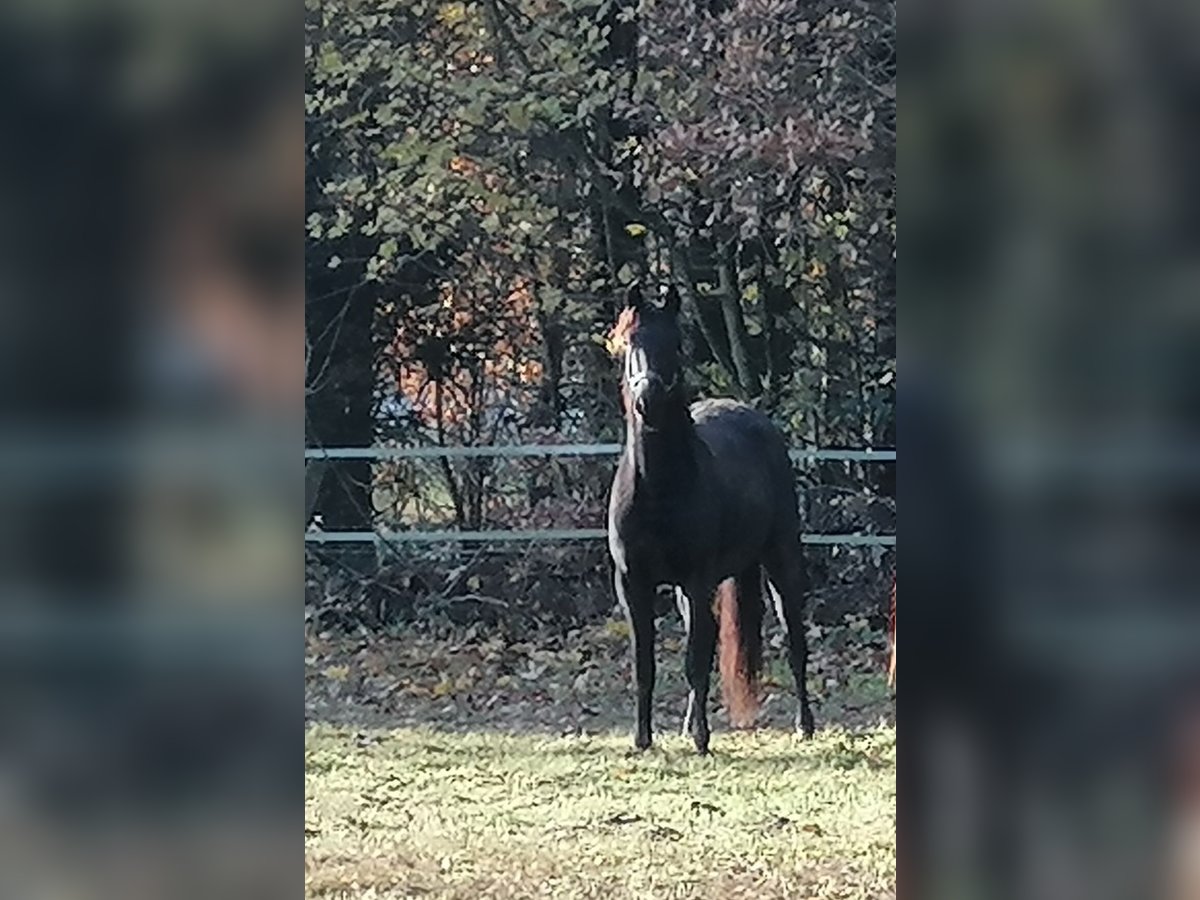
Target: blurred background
[(1049, 434), (151, 335), (151, 371)]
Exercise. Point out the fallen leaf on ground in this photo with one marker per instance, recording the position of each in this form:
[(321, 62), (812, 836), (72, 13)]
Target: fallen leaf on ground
[(622, 819)]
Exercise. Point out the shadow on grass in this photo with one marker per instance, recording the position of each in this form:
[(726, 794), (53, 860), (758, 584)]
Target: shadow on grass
[(859, 706), (565, 722), (764, 750)]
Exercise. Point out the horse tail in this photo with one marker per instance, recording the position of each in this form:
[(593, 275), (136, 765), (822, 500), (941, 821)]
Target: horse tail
[(892, 638), (740, 613)]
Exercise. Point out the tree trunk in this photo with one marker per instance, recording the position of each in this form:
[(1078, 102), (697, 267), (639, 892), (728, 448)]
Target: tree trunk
[(340, 385), (735, 327), (621, 248)]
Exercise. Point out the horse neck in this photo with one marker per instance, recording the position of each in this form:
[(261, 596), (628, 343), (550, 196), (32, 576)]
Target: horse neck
[(664, 460)]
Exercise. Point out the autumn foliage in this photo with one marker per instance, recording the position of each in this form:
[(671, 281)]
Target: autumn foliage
[(491, 177)]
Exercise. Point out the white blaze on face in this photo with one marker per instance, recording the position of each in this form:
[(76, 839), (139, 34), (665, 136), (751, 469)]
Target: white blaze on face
[(636, 366)]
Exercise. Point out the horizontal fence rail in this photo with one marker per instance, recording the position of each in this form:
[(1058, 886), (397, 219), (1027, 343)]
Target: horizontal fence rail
[(317, 536), (544, 534), (543, 450)]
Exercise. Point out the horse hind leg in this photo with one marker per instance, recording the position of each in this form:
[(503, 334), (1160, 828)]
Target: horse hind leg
[(787, 581)]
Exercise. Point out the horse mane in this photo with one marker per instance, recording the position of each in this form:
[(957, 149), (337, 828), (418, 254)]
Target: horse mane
[(618, 337)]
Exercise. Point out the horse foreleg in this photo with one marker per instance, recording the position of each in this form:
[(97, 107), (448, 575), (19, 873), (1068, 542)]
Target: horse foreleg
[(637, 599), (696, 607)]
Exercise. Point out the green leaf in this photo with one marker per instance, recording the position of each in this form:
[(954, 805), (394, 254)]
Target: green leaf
[(452, 14), (474, 112), (330, 62), (518, 116), (635, 229), (553, 110)]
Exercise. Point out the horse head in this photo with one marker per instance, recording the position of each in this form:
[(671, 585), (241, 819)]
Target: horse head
[(651, 339)]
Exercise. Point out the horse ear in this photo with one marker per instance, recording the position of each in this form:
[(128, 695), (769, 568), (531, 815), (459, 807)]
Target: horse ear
[(671, 301), (633, 297)]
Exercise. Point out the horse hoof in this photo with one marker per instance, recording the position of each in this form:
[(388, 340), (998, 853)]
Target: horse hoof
[(805, 727), (641, 744)]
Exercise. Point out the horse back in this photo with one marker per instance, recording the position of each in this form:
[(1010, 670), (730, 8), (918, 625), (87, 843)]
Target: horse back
[(748, 464)]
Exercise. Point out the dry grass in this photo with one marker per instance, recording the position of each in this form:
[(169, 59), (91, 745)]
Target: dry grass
[(407, 812)]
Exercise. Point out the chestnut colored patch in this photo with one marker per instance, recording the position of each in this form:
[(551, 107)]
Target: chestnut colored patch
[(739, 685), (618, 338)]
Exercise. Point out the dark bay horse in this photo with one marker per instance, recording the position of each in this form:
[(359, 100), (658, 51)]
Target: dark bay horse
[(704, 500)]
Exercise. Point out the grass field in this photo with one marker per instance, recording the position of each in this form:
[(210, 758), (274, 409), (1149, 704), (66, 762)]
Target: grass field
[(472, 780)]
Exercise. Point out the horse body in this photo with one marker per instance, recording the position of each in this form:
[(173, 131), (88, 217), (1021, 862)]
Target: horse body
[(749, 462), (702, 495), (712, 502)]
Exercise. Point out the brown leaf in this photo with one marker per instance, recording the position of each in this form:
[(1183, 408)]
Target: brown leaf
[(622, 819), (665, 833)]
